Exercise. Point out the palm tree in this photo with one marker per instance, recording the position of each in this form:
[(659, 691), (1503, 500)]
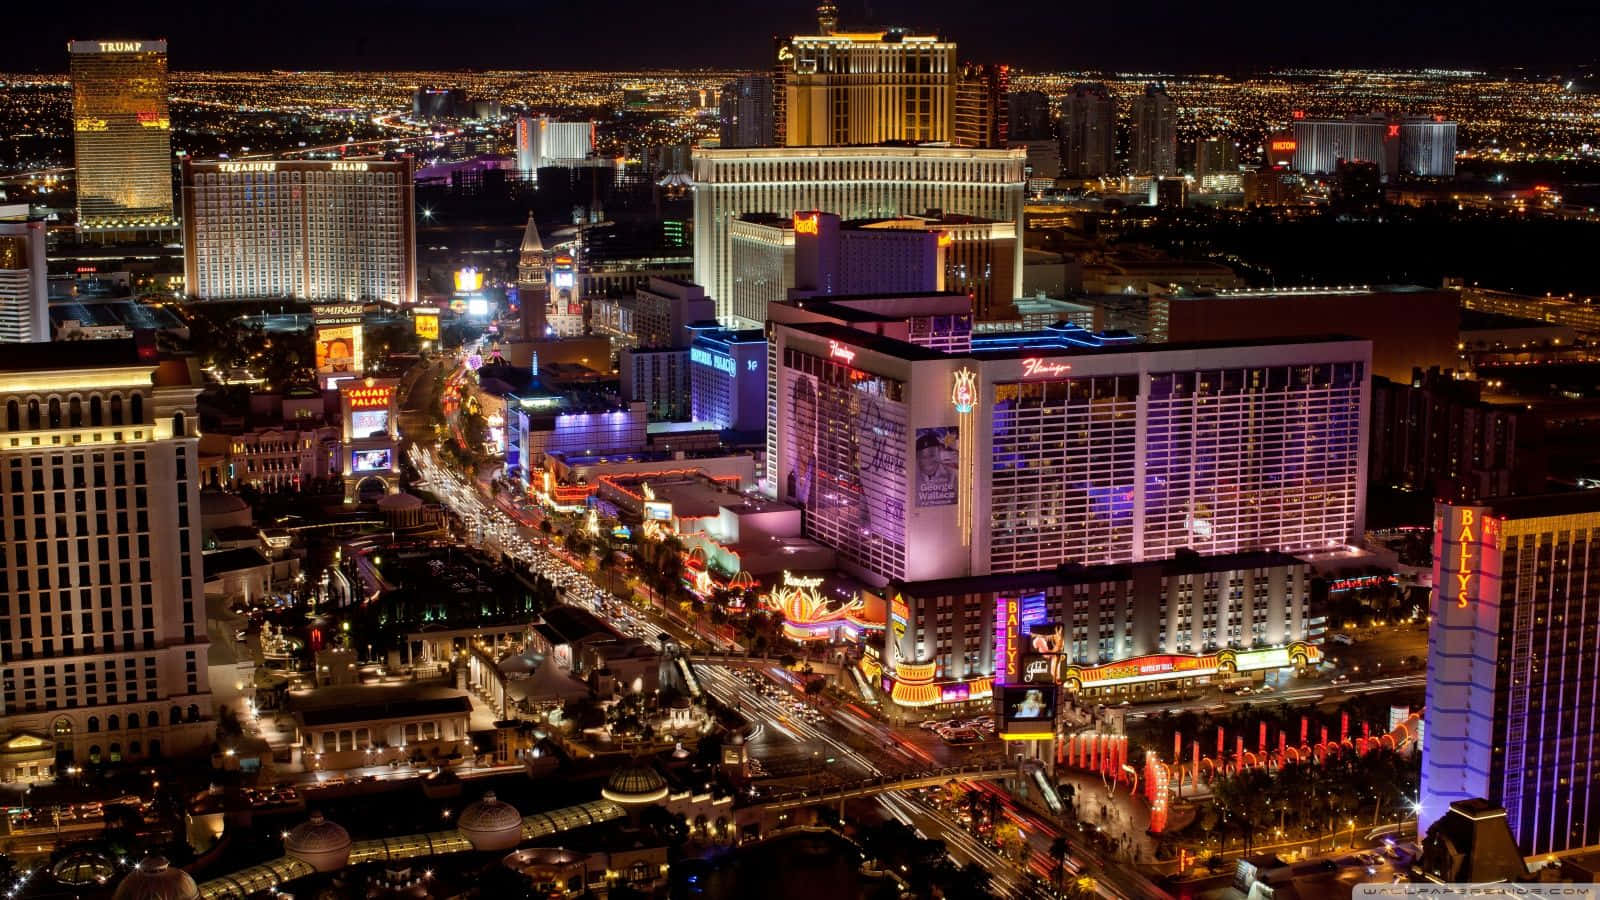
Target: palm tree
[(1058, 862)]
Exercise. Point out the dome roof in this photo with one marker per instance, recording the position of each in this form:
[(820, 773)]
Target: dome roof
[(83, 866), (491, 825), (319, 843), (154, 879), (218, 503), (636, 783), (400, 501)]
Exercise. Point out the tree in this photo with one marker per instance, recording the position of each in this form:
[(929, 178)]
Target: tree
[(1058, 853)]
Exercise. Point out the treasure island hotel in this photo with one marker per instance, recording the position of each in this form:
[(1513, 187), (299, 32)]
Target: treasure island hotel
[(121, 138), (102, 619), (341, 230)]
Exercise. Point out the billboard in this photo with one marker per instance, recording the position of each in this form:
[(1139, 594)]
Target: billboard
[(379, 460), (1037, 668), (427, 326), (658, 511), (937, 455), (369, 423), (1047, 638), (338, 348), (1033, 703)]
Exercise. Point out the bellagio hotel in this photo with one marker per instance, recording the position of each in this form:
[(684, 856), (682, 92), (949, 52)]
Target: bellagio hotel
[(102, 631)]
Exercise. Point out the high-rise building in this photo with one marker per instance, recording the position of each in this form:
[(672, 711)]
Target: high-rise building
[(1410, 327), (1032, 449), (24, 301), (1088, 132), (761, 257), (867, 88), (852, 182), (121, 137), (308, 229), (1320, 144), (1435, 434), (981, 111), (1415, 145), (1215, 156), (1028, 116), (1512, 682), (657, 377), (1153, 137), (1428, 147), (829, 259), (747, 116), (542, 141), (728, 378), (431, 104), (103, 634)]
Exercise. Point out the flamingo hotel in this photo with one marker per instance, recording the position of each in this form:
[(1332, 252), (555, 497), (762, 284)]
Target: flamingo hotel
[(1144, 515)]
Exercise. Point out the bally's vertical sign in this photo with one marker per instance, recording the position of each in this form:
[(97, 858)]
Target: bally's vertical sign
[(1466, 563)]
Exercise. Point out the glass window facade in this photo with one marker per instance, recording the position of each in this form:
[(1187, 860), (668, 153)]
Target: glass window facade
[(122, 137), (846, 439), (1226, 460)]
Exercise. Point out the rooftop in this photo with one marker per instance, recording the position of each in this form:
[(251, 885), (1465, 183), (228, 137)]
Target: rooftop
[(1543, 506), (1069, 574), (916, 353), (365, 703), (1343, 290), (68, 355), (224, 561)]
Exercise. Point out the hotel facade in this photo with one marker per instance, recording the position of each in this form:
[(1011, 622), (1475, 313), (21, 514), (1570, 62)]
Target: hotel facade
[(918, 464), (1512, 680), (851, 182), (312, 230), (121, 137), (102, 615), (868, 88)]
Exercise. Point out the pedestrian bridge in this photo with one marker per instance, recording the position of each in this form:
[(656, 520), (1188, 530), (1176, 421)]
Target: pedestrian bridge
[(760, 662), (867, 787)]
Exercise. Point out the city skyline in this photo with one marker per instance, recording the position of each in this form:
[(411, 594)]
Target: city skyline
[(356, 37)]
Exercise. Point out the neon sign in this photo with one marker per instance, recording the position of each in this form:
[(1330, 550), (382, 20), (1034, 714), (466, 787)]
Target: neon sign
[(704, 357), (802, 582), (349, 167), (805, 224), (839, 351), (369, 397), (946, 238), (1283, 145), (1033, 367), (964, 391), (1464, 561), (1394, 131), (121, 46), (231, 167)]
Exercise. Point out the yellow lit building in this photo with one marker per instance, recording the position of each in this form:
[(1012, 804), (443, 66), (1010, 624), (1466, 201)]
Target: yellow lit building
[(122, 137)]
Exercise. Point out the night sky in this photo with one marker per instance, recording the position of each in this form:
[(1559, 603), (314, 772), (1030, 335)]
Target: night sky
[(1152, 35)]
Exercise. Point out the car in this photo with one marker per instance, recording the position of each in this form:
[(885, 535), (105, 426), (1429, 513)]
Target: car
[(1341, 679), (1344, 639)]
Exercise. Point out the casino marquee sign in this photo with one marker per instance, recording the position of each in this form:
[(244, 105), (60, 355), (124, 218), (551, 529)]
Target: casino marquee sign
[(1168, 666)]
